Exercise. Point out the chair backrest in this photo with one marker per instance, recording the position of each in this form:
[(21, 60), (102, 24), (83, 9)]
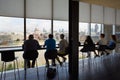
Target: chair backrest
[(7, 56)]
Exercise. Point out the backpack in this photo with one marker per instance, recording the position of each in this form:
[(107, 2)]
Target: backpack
[(51, 73)]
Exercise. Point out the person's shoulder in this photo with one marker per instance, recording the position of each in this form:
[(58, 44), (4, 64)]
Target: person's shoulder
[(26, 41), (53, 39), (65, 40), (33, 40)]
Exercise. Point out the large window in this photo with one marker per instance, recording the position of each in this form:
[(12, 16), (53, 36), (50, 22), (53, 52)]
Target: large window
[(95, 31), (83, 31), (11, 31), (60, 27), (39, 28)]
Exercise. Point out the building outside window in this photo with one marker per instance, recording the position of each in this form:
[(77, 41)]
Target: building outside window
[(39, 28), (95, 31), (83, 31), (60, 27), (11, 31)]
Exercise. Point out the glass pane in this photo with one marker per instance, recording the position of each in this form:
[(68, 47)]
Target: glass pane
[(11, 31), (60, 27), (39, 28), (83, 31), (95, 31)]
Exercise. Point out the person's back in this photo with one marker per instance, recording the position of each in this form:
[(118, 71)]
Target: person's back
[(112, 43), (51, 51), (30, 48), (89, 44), (50, 44), (63, 45), (101, 44), (31, 44), (102, 40)]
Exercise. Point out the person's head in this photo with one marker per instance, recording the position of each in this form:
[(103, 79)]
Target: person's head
[(62, 36), (31, 36), (50, 36), (88, 37), (102, 35), (113, 37)]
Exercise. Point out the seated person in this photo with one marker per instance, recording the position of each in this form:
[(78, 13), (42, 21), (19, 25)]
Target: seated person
[(63, 45), (51, 51), (111, 44), (101, 44), (89, 46), (30, 48)]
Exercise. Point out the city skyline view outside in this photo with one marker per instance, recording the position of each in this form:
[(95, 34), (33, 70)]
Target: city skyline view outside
[(12, 33), (12, 30)]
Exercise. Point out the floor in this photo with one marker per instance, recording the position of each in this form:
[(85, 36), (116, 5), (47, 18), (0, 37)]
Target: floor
[(106, 67)]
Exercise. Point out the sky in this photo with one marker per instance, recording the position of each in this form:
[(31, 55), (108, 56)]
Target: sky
[(8, 24)]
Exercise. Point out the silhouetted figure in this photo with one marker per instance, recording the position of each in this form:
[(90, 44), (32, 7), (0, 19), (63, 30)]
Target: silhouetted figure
[(101, 44), (63, 45), (30, 48), (51, 51), (111, 44), (89, 46)]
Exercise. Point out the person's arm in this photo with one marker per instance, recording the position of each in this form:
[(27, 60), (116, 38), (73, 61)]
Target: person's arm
[(44, 44), (22, 46), (38, 45)]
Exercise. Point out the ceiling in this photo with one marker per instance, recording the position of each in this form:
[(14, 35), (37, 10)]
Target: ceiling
[(106, 3)]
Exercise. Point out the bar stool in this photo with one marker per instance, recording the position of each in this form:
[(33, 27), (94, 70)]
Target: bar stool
[(25, 68), (9, 56)]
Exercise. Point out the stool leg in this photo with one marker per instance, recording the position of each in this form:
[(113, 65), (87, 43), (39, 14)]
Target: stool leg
[(2, 70), (45, 75), (5, 71), (18, 69), (25, 69), (37, 70), (14, 70), (58, 72), (66, 70)]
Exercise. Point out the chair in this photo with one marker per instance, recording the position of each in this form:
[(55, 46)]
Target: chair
[(9, 56)]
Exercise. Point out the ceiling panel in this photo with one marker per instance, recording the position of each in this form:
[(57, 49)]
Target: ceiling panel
[(106, 3)]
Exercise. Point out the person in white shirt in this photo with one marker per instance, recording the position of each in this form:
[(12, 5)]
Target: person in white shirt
[(101, 43), (63, 45)]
